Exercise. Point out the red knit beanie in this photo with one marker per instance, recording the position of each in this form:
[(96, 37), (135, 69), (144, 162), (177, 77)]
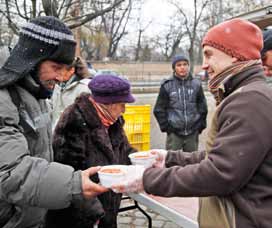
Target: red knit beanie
[(237, 38)]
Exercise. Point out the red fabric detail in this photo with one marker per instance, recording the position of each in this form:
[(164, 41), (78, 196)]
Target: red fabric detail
[(237, 38)]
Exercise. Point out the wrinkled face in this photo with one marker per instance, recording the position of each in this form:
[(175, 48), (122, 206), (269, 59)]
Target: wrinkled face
[(215, 61), (51, 72), (117, 109), (182, 68), (267, 63)]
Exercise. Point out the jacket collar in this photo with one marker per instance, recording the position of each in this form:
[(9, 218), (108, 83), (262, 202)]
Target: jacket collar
[(89, 113), (105, 139), (254, 73), (189, 77)]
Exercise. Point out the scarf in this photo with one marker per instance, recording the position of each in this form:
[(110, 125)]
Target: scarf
[(104, 114), (217, 84)]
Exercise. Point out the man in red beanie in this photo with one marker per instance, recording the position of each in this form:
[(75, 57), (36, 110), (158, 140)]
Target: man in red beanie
[(234, 174)]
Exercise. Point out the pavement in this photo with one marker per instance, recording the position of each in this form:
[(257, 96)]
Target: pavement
[(135, 219)]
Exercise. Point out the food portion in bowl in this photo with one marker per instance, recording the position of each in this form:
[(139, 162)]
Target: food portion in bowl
[(144, 158), (112, 174), (111, 170), (141, 156)]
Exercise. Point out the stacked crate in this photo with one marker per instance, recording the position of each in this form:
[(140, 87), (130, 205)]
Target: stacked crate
[(137, 126)]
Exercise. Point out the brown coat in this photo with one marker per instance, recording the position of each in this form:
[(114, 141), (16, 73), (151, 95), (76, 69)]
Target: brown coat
[(81, 141), (236, 175)]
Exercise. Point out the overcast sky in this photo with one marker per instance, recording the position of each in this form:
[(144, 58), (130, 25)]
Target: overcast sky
[(159, 11)]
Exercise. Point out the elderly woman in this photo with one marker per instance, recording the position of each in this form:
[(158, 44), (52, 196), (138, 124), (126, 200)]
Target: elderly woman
[(90, 132)]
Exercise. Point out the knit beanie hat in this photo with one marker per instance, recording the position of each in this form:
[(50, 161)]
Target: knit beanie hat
[(267, 39), (42, 38), (110, 89), (237, 38), (178, 58)]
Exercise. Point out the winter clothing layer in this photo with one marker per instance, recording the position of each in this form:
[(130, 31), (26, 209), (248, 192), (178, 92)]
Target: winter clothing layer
[(42, 38), (181, 106), (81, 141), (226, 37), (63, 96), (235, 177), (187, 143), (29, 184)]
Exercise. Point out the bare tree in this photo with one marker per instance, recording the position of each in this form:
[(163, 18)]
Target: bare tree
[(26, 9), (139, 47), (115, 26), (169, 41), (191, 23)]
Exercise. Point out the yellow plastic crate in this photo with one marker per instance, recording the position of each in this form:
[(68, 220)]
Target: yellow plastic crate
[(137, 126)]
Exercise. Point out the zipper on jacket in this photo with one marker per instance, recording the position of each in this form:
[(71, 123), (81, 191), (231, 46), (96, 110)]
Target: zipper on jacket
[(185, 108)]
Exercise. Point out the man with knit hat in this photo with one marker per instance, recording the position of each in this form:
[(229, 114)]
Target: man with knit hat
[(234, 174), (29, 183), (181, 107)]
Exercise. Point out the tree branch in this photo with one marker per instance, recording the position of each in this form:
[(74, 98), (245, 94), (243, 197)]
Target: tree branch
[(92, 16)]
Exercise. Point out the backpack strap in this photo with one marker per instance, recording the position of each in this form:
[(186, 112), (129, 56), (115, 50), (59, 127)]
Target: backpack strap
[(16, 99)]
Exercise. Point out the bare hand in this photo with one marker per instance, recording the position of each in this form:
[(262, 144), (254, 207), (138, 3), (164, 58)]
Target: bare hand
[(89, 188)]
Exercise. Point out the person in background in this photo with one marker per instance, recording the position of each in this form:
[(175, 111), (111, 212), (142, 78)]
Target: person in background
[(90, 132), (181, 107), (30, 183), (267, 53), (65, 93), (91, 70), (233, 176)]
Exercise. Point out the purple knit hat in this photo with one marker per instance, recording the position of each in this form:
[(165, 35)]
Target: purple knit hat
[(110, 89)]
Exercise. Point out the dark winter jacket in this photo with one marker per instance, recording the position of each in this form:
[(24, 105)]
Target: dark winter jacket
[(181, 106), (82, 141), (235, 177)]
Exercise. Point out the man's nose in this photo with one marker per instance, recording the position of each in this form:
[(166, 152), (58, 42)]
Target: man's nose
[(60, 78), (204, 66), (124, 109)]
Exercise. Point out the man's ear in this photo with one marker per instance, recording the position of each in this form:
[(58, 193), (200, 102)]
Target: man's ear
[(234, 60)]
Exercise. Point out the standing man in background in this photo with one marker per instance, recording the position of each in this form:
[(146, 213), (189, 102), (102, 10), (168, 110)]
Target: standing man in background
[(181, 107)]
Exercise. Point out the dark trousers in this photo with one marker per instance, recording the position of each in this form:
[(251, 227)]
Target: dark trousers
[(187, 143)]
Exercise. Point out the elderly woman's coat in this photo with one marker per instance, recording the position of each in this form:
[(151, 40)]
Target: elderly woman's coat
[(82, 141)]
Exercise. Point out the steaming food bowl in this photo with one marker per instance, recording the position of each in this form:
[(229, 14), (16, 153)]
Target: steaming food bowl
[(144, 158), (112, 175)]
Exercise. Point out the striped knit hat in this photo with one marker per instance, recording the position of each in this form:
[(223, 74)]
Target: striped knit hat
[(42, 38)]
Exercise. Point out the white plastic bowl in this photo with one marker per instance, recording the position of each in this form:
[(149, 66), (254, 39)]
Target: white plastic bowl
[(144, 158), (109, 179)]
